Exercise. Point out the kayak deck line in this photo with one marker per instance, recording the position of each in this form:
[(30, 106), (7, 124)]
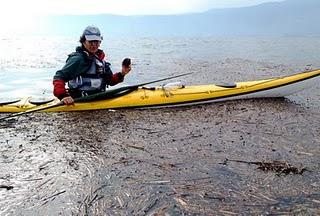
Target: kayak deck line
[(159, 96), (250, 86)]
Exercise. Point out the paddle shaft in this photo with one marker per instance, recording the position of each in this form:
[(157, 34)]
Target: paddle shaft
[(32, 110), (111, 92), (159, 80)]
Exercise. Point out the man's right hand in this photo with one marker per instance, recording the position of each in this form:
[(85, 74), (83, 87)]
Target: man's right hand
[(68, 101)]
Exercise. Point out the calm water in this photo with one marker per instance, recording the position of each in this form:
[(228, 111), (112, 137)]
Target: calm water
[(28, 64)]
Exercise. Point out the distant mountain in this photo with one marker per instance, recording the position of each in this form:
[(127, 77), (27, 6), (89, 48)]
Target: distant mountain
[(291, 17)]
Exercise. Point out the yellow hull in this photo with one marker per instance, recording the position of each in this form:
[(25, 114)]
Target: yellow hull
[(275, 87)]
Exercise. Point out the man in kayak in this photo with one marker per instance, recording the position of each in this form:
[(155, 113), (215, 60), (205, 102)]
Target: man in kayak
[(85, 70)]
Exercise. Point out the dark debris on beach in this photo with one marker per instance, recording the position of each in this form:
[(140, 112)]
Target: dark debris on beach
[(279, 167), (166, 161)]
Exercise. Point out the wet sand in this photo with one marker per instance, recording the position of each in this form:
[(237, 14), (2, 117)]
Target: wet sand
[(169, 161)]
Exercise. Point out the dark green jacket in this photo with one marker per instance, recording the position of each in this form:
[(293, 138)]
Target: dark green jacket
[(76, 65)]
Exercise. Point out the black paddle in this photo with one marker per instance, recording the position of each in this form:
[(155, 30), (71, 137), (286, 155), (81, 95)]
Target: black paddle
[(99, 96)]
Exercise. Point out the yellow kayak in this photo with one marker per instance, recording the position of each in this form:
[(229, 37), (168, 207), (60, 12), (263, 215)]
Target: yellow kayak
[(177, 95)]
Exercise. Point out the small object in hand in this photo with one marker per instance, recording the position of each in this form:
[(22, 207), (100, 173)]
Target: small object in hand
[(126, 62)]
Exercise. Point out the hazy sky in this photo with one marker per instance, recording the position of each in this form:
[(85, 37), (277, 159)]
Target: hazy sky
[(22, 13), (123, 7)]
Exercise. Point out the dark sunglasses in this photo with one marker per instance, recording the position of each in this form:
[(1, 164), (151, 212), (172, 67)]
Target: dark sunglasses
[(94, 42)]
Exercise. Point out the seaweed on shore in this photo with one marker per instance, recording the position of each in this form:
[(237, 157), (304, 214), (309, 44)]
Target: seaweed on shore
[(280, 167)]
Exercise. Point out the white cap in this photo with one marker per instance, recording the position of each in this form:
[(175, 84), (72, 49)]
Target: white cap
[(92, 33)]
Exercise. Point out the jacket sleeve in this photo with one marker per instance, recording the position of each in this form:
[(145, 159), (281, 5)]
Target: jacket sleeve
[(114, 78), (73, 68), (70, 71), (59, 89)]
